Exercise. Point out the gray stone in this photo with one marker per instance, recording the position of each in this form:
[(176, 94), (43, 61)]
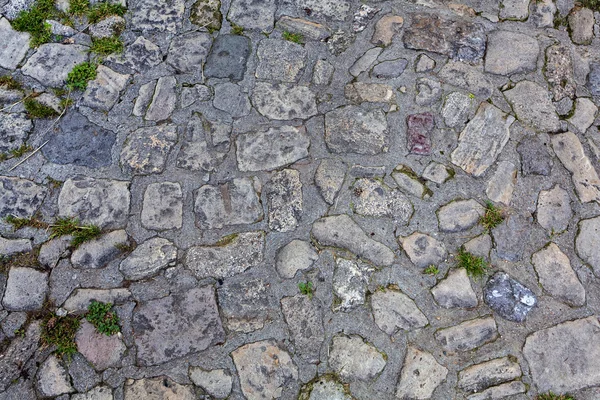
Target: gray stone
[(284, 102), (468, 78), (359, 92), (164, 99), (297, 255), (22, 389), (508, 298), (251, 14), (458, 109), (501, 185), (191, 94), (52, 379), (481, 376), (511, 236), (581, 25), (20, 198), (386, 28), (428, 91), (279, 60), (305, 321), (80, 142), (234, 202), (141, 55), (230, 98), (421, 375), (334, 9), (102, 351), (163, 206), (559, 72), (15, 45), (13, 323), (217, 382), (438, 173), (228, 57), (468, 335), (308, 29), (284, 199), (585, 114), (389, 69), (267, 379), (53, 250), (479, 246), (424, 63), (325, 387), (535, 158), (16, 354), (145, 94), (271, 149), (177, 325), (83, 376), (455, 291), (408, 182), (353, 359), (373, 198), (229, 257), (557, 277), (514, 10), (570, 152), (206, 145), (500, 392), (322, 72), (246, 304), (96, 253), (531, 103), (146, 149), (350, 281), (458, 39), (459, 215), (511, 53), (361, 17), (110, 26), (12, 8), (101, 202), (188, 52), (148, 258), (554, 209), (365, 62), (329, 178), (159, 388), (393, 311), (26, 289), (52, 62), (342, 231), (81, 299), (593, 79), (482, 140), (8, 247), (423, 250), (207, 14), (543, 13), (97, 393), (587, 242), (351, 129), (150, 16)]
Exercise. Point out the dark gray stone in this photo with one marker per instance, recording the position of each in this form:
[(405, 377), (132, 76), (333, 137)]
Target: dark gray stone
[(148, 258), (20, 198), (228, 57), (83, 375), (146, 149), (141, 55), (18, 352), (230, 98), (508, 298), (284, 101), (535, 157), (351, 129), (305, 320), (593, 79), (389, 69), (150, 16), (206, 145), (188, 52), (247, 304)]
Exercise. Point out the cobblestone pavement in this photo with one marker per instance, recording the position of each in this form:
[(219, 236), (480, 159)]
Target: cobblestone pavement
[(300, 199)]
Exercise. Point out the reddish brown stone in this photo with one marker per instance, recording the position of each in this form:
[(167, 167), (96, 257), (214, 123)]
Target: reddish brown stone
[(420, 127)]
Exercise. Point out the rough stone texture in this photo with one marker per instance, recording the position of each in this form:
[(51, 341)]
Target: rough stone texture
[(9, 247), (510, 237), (468, 335), (514, 10), (585, 114), (593, 79), (329, 178), (26, 289), (365, 62), (206, 145), (420, 127), (177, 325), (141, 55), (284, 102), (353, 359), (459, 215), (394, 310), (279, 60), (228, 57), (502, 184), (96, 253), (429, 92), (325, 387), (423, 250), (217, 382), (386, 28), (581, 25), (511, 53), (146, 149), (103, 92), (322, 72), (20, 198), (230, 98), (52, 62), (271, 149), (207, 13), (372, 198), (437, 172), (559, 72), (284, 199), (352, 129), (389, 69), (52, 379), (535, 157), (531, 103), (163, 206), (304, 317), (100, 350), (14, 131), (164, 99), (308, 29), (360, 92), (455, 291), (19, 351), (15, 45), (481, 376), (509, 298), (502, 391), (421, 375), (149, 16), (587, 242), (97, 393), (253, 15), (188, 52), (554, 209), (81, 299), (409, 183), (458, 109), (161, 388), (246, 305), (148, 258), (295, 256), (84, 378), (350, 281)]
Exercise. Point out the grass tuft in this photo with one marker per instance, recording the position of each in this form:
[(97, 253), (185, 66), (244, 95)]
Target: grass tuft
[(552, 396), (591, 4), (60, 332), (81, 74), (106, 46), (236, 29), (19, 223), (35, 109), (79, 7), (103, 10), (100, 315), (70, 226), (431, 270), (475, 266), (292, 37), (34, 21), (493, 216), (306, 288), (21, 150), (9, 83)]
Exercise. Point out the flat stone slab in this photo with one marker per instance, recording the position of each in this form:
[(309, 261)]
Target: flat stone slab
[(52, 379), (228, 57), (351, 129), (565, 357), (421, 375), (26, 289), (481, 376), (8, 247), (350, 280), (587, 243), (559, 72), (353, 359), (375, 199), (98, 252), (246, 304), (468, 335), (423, 250), (393, 311), (509, 298), (329, 178), (150, 16), (458, 108), (217, 382), (459, 215), (253, 15), (14, 131), (305, 320), (279, 60), (230, 98), (284, 101), (500, 392), (177, 325), (164, 99), (15, 46), (160, 388), (140, 56), (81, 299), (532, 105), (20, 198), (148, 258), (99, 349), (295, 256), (284, 200), (103, 92), (188, 52), (455, 291), (163, 206), (52, 62), (511, 53), (146, 149), (206, 145)]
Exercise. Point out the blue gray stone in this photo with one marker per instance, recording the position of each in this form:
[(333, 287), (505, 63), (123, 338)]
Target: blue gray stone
[(228, 57), (508, 298)]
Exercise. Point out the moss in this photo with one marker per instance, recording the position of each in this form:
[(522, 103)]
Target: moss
[(34, 21), (292, 37), (225, 240), (103, 10), (35, 109), (236, 29), (21, 150), (79, 7), (552, 396), (9, 83), (81, 74), (106, 46), (476, 266)]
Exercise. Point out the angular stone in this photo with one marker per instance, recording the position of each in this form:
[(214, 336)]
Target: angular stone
[(206, 145), (230, 98), (570, 152), (164, 16), (295, 256), (81, 299), (305, 321), (20, 198), (52, 379), (308, 29), (284, 199), (146, 149), (455, 291), (16, 354), (535, 158), (386, 28), (334, 9), (389, 69), (373, 198), (559, 72), (457, 39), (351, 129), (365, 62), (26, 289), (229, 257), (271, 149), (322, 72), (246, 304), (423, 250), (325, 387), (501, 185), (511, 236), (511, 53), (207, 13), (543, 13), (342, 231), (420, 127), (159, 388), (191, 94), (587, 243), (15, 45), (353, 359), (101, 202), (84, 378), (227, 58), (393, 310), (141, 55), (438, 173), (409, 183), (142, 102), (188, 52), (177, 325), (52, 62), (284, 101), (531, 103), (96, 253), (264, 369), (279, 60), (350, 280), (217, 382), (14, 131), (480, 246), (468, 78), (515, 10), (250, 14), (9, 247), (482, 140), (585, 114), (481, 376), (554, 209), (459, 215), (97, 393), (428, 91), (421, 375), (424, 63), (593, 79), (103, 92), (360, 92), (100, 350), (163, 102), (581, 25), (148, 258), (163, 206), (508, 298), (500, 392), (458, 109), (468, 335), (329, 177)]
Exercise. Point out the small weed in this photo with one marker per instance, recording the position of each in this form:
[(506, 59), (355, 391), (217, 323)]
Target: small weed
[(106, 46), (236, 29), (552, 396), (593, 5), (292, 37), (60, 331), (10, 83), (20, 332), (54, 183), (34, 22), (471, 96), (431, 270), (475, 266), (79, 7), (492, 218), (126, 247), (19, 223), (35, 109), (103, 10), (66, 102), (3, 157), (81, 74), (306, 288), (26, 260), (21, 150), (100, 315), (70, 226)]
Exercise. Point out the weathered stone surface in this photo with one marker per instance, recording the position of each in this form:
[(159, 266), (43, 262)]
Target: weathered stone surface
[(9, 247), (350, 281), (334, 9), (353, 359), (164, 99), (207, 13), (508, 298), (408, 182), (554, 209), (481, 376), (421, 375), (516, 10), (565, 357), (480, 246), (305, 320), (295, 256), (501, 185), (206, 145), (329, 178), (103, 92), (511, 53), (97, 393), (230, 98), (141, 55), (160, 388), (84, 378), (322, 72), (20, 389), (468, 335), (455, 291), (164, 16), (142, 102), (110, 26), (284, 101), (52, 62), (234, 202), (428, 91), (284, 199), (535, 157), (365, 62), (420, 127), (146, 149), (581, 25), (585, 114), (559, 72), (544, 12), (188, 52), (100, 350), (16, 354), (14, 131), (26, 289), (246, 304), (308, 29), (424, 63), (15, 45), (557, 277), (373, 198), (587, 243), (570, 152), (279, 60), (264, 370), (423, 250), (81, 299), (482, 140), (177, 325), (20, 198), (458, 109), (359, 92), (468, 78), (101, 202), (531, 103), (593, 79), (271, 149), (361, 17), (437, 172), (163, 206), (217, 382), (227, 58), (389, 69), (351, 129), (325, 387), (148, 258), (52, 379), (459, 215), (222, 260), (386, 28), (457, 39), (250, 14), (393, 310), (500, 392), (96, 253)]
